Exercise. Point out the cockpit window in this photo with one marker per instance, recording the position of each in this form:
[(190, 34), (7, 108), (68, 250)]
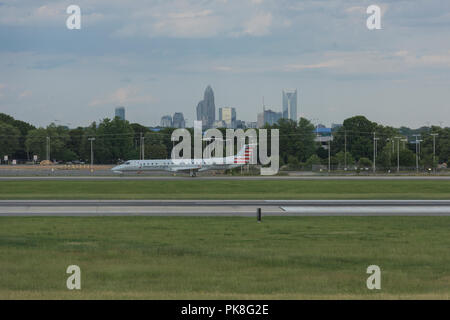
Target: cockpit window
[(128, 162)]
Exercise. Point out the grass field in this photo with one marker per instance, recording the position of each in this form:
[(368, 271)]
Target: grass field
[(223, 189), (217, 258)]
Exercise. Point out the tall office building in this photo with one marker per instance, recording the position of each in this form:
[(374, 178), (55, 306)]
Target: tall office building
[(268, 117), (178, 120), (228, 115), (206, 109), (120, 112), (166, 122), (290, 104)]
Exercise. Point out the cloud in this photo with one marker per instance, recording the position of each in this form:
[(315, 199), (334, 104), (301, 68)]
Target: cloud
[(222, 68), (2, 86), (321, 65), (25, 94), (259, 25), (123, 96)]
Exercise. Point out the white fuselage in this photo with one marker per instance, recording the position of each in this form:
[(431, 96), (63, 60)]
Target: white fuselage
[(191, 165), (179, 164)]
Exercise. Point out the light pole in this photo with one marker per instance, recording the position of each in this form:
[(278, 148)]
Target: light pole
[(345, 149), (48, 148), (417, 152), (374, 152), (434, 151), (142, 147), (92, 151), (329, 156), (389, 140), (398, 153)]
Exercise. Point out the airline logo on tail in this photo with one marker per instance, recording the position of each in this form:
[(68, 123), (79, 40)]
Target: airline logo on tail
[(245, 156)]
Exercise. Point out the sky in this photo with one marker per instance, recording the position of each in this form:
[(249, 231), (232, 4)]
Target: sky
[(156, 57)]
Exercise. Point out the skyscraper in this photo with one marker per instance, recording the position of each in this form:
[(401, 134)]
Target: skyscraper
[(290, 104), (228, 115), (178, 120), (268, 116), (206, 109), (166, 122), (120, 112)]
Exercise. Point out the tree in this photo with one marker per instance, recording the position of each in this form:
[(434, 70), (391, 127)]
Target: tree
[(59, 138), (23, 128), (407, 158), (35, 143), (364, 162), (296, 139), (312, 160), (113, 141), (9, 141), (156, 151), (293, 162), (387, 157), (358, 132), (340, 159), (75, 142)]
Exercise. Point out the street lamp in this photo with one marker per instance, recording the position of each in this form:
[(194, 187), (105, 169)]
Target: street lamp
[(48, 148), (374, 152), (434, 151), (398, 153), (92, 151), (417, 152), (329, 157), (345, 149)]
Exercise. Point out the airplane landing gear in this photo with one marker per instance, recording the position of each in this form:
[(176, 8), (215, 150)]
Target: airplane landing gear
[(192, 173)]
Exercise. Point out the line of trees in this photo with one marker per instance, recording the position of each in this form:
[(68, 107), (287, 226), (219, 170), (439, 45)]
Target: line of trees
[(353, 145), (117, 140)]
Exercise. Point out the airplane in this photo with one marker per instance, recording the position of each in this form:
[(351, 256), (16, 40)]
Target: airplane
[(187, 165)]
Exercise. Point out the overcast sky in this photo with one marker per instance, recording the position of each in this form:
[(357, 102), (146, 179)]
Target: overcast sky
[(157, 57)]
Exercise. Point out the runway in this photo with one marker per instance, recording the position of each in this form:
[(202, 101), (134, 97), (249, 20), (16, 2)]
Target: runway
[(244, 208), (241, 178)]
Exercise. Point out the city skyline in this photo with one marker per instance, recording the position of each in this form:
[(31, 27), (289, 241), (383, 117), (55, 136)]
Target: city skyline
[(155, 58)]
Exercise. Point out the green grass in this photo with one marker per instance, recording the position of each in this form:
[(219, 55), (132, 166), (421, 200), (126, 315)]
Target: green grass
[(223, 189), (215, 258)]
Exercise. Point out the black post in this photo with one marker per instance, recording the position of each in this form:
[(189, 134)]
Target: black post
[(258, 215)]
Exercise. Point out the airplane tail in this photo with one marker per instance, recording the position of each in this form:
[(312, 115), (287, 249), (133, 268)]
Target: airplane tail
[(244, 155)]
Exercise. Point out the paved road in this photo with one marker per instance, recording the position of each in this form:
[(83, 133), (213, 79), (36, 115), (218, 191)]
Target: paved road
[(225, 207), (178, 178)]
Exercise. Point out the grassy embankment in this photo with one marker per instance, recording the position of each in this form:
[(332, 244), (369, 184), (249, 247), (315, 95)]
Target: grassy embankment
[(215, 258), (226, 189)]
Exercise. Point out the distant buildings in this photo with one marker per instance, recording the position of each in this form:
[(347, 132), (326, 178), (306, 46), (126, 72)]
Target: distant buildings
[(323, 135), (268, 117), (240, 124), (176, 122), (206, 109), (228, 116), (120, 112), (290, 104), (219, 124), (166, 122), (252, 125)]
